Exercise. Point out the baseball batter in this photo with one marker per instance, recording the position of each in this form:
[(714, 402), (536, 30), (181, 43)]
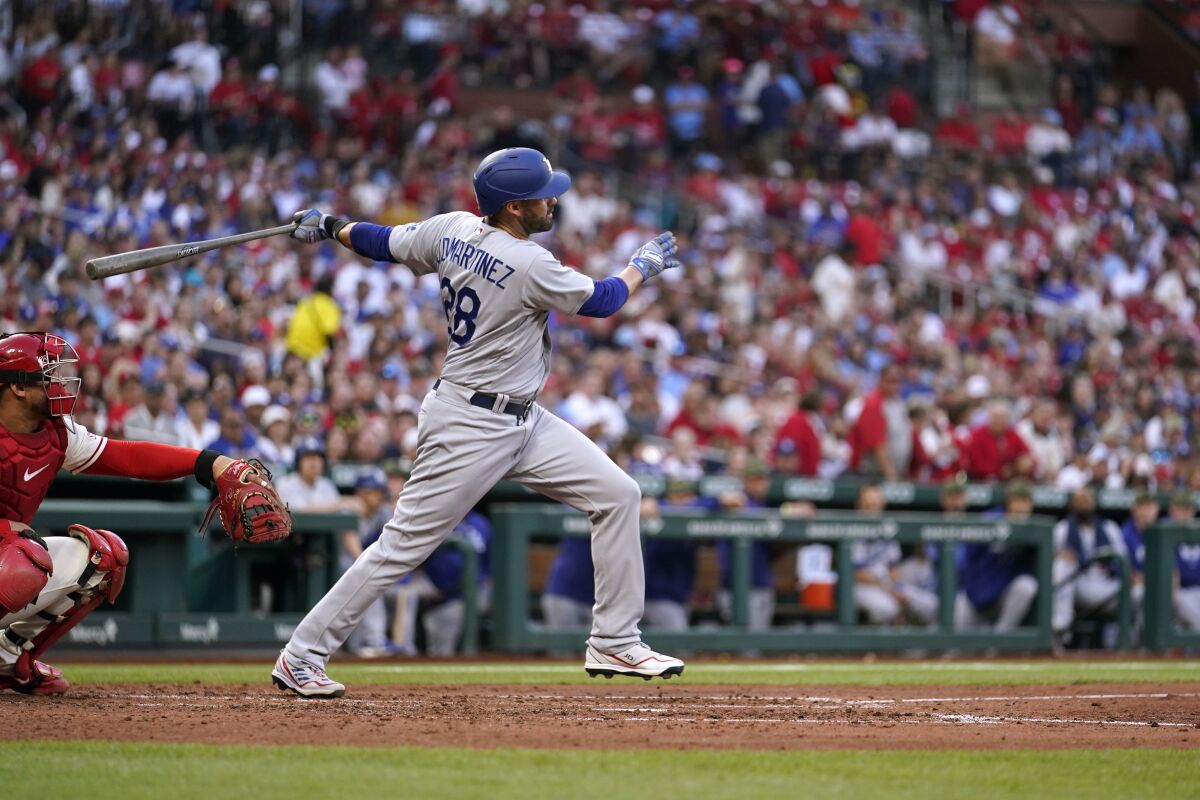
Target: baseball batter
[(481, 421)]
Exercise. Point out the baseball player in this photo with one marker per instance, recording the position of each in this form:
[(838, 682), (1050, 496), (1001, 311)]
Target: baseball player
[(481, 421), (1084, 581), (48, 585), (996, 583), (437, 589), (882, 589)]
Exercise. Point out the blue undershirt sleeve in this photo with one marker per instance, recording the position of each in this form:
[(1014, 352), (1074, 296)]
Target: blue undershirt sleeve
[(371, 241), (606, 300)]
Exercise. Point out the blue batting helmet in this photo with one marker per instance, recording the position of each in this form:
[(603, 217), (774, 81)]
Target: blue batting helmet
[(516, 173)]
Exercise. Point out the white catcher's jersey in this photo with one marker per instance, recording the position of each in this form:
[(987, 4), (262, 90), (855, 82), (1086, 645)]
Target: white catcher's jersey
[(497, 292)]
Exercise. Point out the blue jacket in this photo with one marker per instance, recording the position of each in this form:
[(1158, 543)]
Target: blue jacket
[(572, 574), (444, 568)]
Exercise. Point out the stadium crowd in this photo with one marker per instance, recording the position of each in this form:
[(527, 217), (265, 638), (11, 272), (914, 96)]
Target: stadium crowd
[(868, 289)]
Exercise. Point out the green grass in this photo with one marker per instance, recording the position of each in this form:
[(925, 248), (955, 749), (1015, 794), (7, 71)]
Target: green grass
[(180, 772), (699, 671)]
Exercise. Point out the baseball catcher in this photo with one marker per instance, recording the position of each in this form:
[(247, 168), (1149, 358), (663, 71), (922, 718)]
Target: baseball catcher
[(48, 585)]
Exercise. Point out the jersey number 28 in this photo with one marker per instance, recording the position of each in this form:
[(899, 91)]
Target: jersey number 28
[(461, 310)]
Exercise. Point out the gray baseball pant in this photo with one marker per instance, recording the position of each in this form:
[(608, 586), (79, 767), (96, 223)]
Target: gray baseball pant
[(462, 451), (1014, 603)]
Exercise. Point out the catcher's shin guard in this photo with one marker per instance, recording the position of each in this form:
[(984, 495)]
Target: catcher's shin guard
[(102, 577)]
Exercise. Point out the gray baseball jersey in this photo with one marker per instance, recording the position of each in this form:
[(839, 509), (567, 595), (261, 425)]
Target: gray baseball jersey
[(497, 292)]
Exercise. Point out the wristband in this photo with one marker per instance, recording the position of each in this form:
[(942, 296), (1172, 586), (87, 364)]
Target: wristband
[(333, 225), (204, 467)]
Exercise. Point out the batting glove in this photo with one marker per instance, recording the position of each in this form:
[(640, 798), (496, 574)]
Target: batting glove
[(655, 256), (312, 227)]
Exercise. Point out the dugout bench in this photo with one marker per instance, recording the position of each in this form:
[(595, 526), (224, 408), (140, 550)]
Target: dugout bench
[(517, 525)]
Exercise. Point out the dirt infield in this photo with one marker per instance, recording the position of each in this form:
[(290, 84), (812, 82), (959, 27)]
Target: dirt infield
[(624, 715)]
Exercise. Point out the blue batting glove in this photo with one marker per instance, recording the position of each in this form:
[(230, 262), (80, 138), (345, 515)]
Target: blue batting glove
[(311, 224), (655, 256)]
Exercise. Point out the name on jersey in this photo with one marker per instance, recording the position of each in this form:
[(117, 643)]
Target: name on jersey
[(475, 260)]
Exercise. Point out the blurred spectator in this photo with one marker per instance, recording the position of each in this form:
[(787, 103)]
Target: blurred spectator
[(316, 319), (594, 412), (307, 489), (995, 450), (881, 437), (797, 449), (234, 438), (687, 103), (1047, 445), (255, 400), (194, 427), (275, 445), (150, 421)]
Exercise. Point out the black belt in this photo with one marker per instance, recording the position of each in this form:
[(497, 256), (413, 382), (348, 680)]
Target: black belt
[(488, 401)]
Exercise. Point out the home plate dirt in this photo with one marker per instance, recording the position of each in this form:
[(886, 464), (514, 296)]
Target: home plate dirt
[(623, 715)]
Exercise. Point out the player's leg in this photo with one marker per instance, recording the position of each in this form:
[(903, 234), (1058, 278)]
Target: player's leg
[(1015, 602), (1096, 593), (922, 605), (1063, 612), (404, 621), (1187, 605), (666, 615), (369, 639), (965, 614), (561, 463), (563, 612), (89, 567), (461, 452), (443, 625), (880, 606), (762, 608)]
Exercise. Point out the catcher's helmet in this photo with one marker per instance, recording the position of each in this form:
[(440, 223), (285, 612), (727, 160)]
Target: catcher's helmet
[(36, 357), (516, 173)]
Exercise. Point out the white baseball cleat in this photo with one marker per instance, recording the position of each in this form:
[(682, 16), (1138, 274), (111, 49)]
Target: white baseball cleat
[(636, 661), (307, 680)]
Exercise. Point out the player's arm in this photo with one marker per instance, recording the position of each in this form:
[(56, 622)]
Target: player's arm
[(92, 454), (610, 294), (412, 245)]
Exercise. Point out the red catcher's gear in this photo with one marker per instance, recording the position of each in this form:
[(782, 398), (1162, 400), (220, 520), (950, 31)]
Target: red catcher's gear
[(37, 357), (28, 464), (25, 567)]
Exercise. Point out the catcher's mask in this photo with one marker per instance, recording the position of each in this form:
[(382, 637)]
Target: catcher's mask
[(31, 358)]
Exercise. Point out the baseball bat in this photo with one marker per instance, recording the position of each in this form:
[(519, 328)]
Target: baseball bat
[(120, 263)]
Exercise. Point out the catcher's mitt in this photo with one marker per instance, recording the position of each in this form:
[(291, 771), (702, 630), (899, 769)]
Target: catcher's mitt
[(250, 511)]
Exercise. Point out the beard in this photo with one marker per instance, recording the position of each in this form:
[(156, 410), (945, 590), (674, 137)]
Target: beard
[(535, 222)]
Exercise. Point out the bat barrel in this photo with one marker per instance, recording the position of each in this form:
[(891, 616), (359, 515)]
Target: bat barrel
[(120, 263)]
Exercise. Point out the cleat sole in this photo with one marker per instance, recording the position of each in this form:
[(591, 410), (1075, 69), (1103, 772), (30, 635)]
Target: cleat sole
[(666, 674), (283, 686)]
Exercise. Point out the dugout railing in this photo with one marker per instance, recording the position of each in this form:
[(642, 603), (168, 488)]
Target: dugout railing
[(187, 588), (517, 526), (1162, 628)]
